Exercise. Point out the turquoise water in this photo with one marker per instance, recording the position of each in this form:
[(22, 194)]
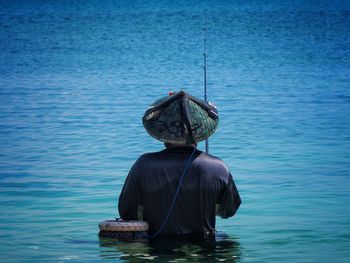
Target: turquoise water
[(76, 78)]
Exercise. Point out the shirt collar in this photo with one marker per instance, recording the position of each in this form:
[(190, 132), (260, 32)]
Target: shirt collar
[(180, 149)]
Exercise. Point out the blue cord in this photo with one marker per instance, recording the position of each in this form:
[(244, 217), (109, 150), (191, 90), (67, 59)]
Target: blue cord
[(175, 196)]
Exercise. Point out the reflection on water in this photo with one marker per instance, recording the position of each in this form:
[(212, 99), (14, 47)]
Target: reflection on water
[(221, 248)]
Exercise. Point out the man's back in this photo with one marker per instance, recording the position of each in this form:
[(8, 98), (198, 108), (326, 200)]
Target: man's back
[(152, 183)]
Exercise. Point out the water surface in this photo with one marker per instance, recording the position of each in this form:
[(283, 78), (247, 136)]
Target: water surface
[(76, 78)]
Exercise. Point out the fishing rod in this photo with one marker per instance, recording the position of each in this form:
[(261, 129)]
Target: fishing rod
[(205, 79)]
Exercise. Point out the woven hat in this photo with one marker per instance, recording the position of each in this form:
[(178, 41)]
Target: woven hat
[(180, 119)]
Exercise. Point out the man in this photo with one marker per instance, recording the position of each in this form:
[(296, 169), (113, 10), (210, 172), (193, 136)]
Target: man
[(180, 189)]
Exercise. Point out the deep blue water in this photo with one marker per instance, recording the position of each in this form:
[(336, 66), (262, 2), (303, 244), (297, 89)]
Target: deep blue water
[(77, 76)]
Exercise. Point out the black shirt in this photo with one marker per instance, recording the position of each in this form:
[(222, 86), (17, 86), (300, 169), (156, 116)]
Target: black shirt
[(207, 190)]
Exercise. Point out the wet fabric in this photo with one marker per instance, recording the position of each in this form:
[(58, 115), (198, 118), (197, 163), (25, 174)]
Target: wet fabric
[(207, 190)]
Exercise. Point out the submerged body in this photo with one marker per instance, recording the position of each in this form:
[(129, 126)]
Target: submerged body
[(207, 190)]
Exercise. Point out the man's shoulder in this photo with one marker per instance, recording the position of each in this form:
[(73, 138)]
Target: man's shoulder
[(148, 157), (211, 158), (212, 162)]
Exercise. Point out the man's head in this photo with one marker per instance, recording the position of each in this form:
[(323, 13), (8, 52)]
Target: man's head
[(180, 119)]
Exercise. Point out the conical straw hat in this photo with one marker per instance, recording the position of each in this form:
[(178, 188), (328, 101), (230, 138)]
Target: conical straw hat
[(180, 119)]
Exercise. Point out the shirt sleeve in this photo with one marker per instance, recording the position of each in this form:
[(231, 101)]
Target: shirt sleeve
[(129, 198), (230, 200)]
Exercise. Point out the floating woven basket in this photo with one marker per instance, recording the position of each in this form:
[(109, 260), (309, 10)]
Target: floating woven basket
[(123, 230)]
